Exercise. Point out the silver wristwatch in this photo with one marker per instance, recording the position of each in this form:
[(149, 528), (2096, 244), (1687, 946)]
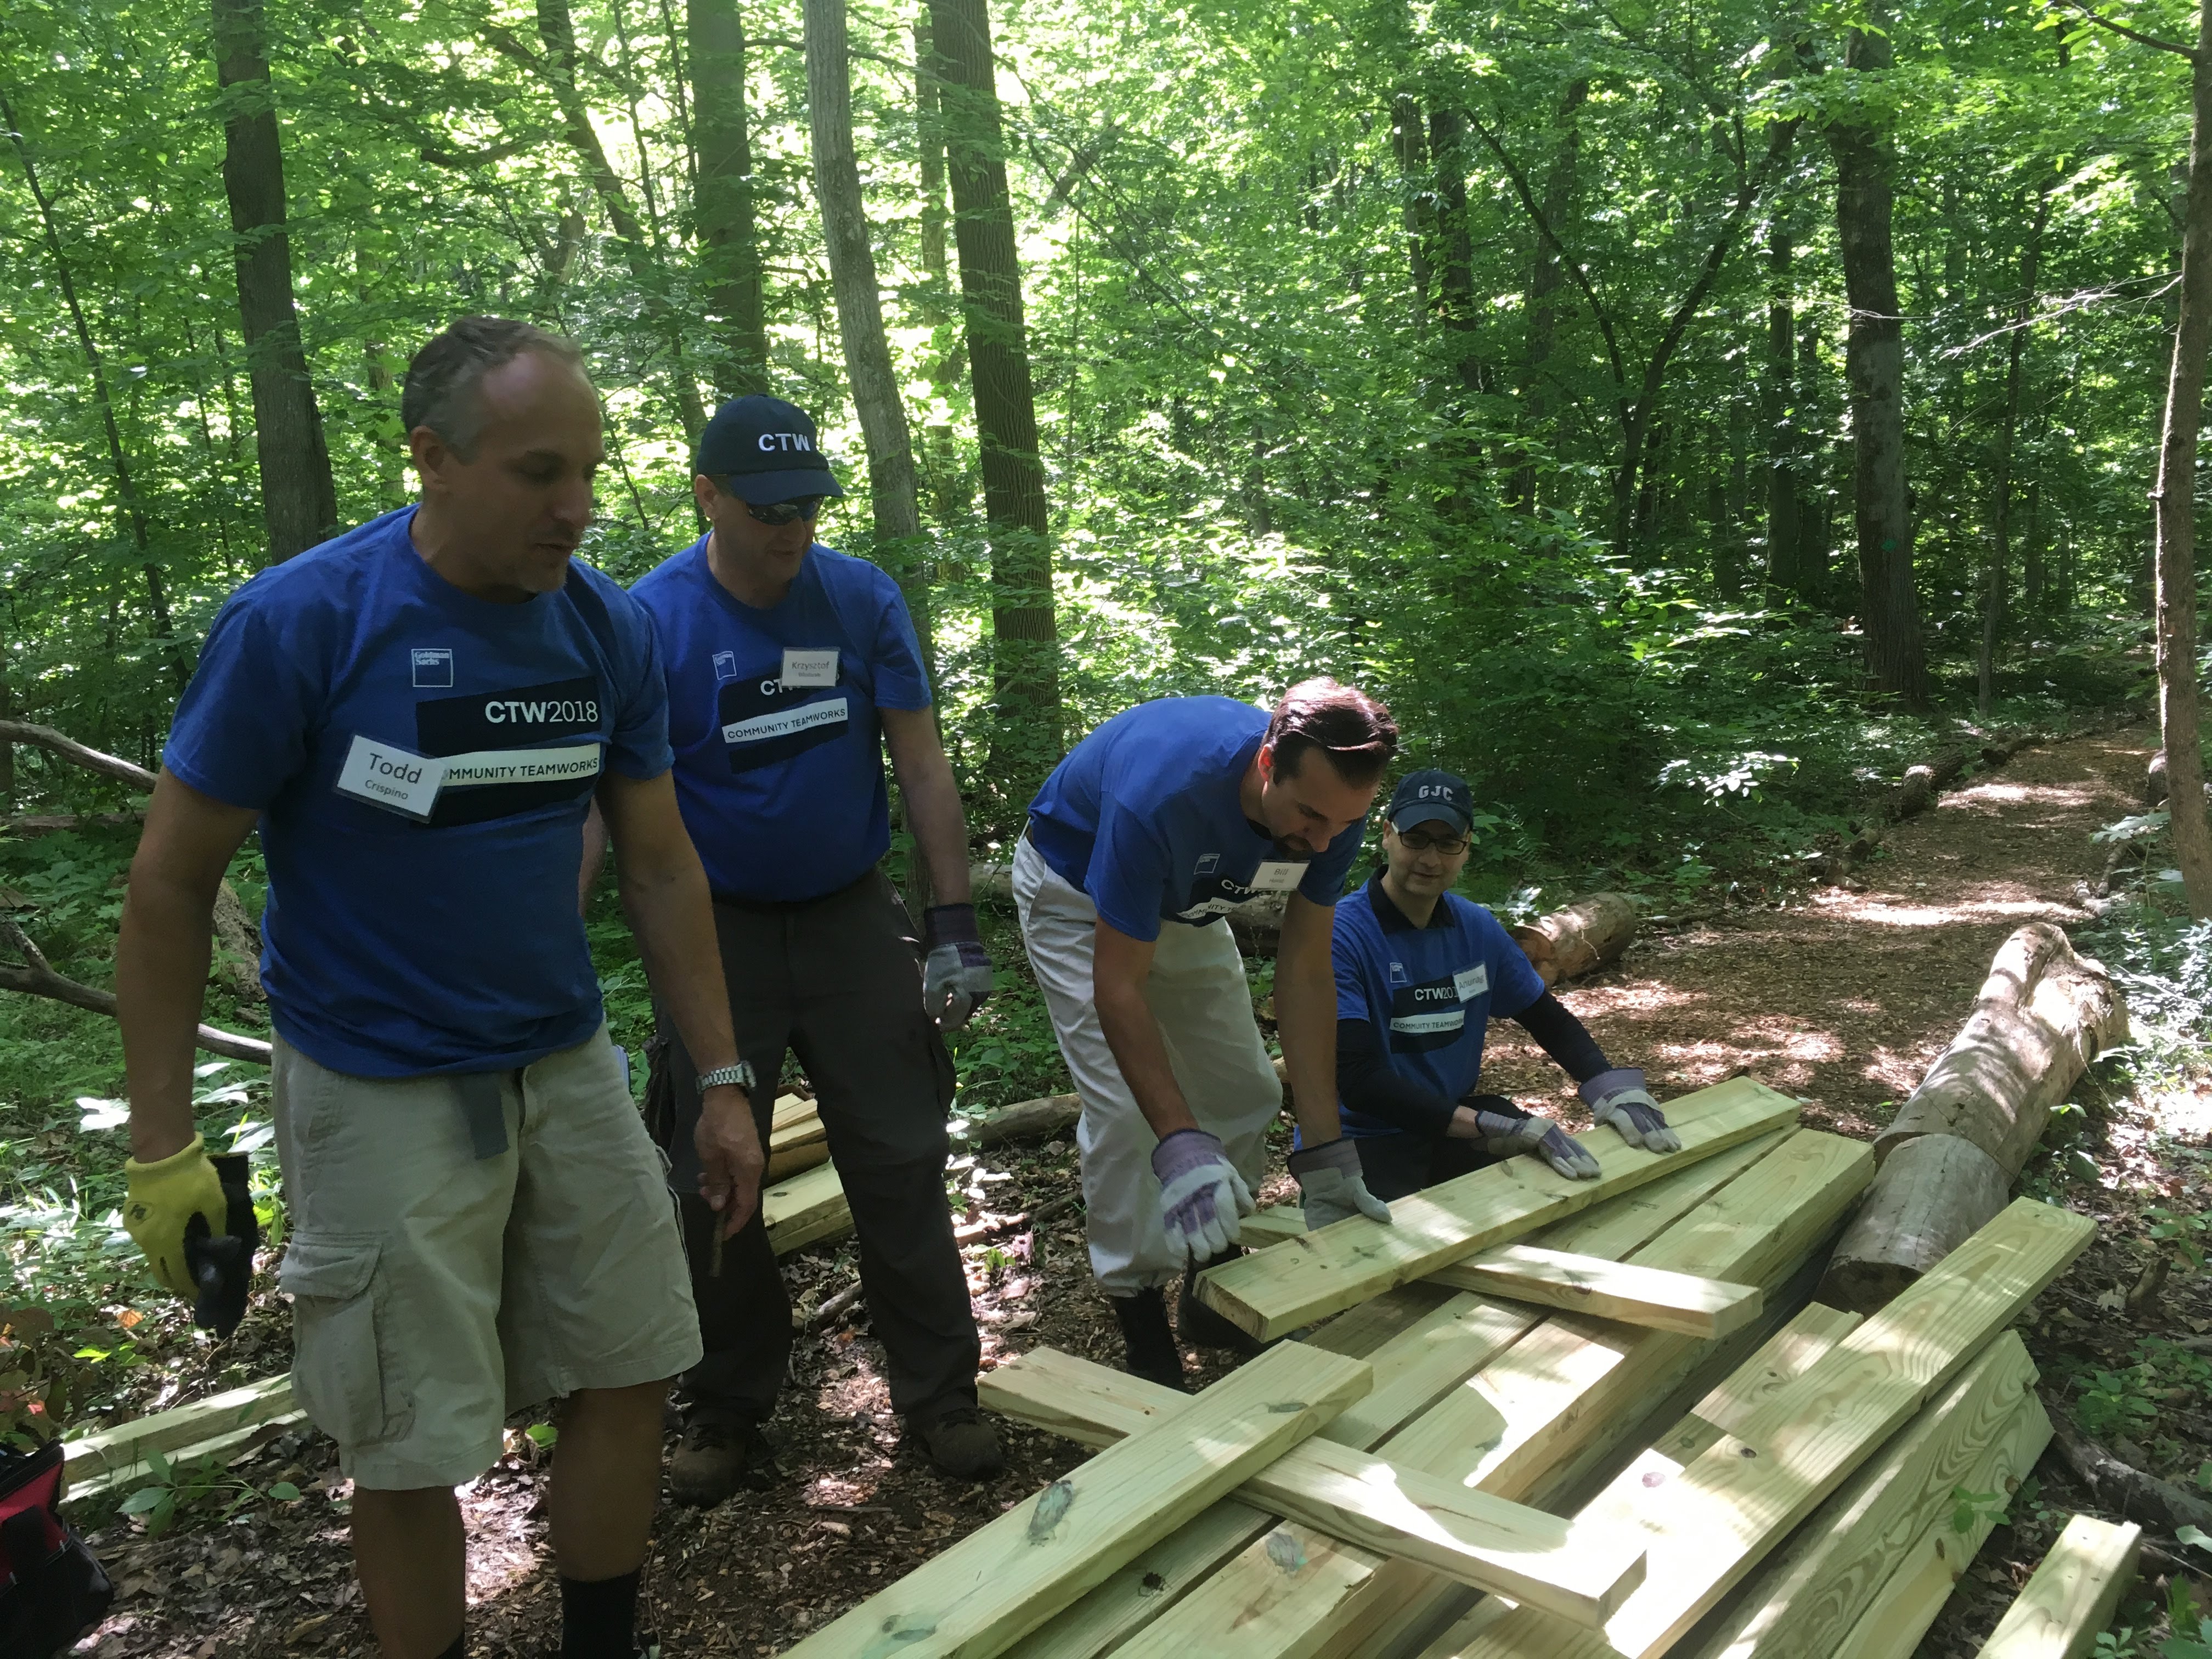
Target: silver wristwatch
[(741, 1074)]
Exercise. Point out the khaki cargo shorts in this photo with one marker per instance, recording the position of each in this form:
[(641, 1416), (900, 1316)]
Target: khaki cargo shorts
[(434, 1292)]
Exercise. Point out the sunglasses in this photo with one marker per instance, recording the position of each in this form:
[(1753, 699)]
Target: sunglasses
[(808, 508)]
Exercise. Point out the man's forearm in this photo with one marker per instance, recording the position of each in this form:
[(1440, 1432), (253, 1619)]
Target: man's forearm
[(940, 830), (161, 979), (595, 857), (1305, 1019), (1142, 1055), (673, 920)]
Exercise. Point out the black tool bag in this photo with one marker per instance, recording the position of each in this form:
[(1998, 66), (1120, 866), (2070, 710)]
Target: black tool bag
[(52, 1587)]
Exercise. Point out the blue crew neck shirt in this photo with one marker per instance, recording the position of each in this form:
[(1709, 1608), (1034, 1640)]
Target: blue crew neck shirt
[(781, 785), (1429, 993), (1144, 816), (395, 945)]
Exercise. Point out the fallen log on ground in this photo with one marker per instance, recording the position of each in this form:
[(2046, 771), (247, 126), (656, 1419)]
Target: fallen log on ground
[(53, 823), (797, 1140), (2133, 1493), (1579, 938), (1960, 1142), (1917, 792)]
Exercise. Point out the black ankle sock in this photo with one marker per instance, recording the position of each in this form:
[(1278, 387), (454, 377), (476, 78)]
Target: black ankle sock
[(460, 1649), (598, 1617)]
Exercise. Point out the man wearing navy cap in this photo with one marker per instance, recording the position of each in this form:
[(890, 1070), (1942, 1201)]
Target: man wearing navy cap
[(790, 667), (1420, 971)]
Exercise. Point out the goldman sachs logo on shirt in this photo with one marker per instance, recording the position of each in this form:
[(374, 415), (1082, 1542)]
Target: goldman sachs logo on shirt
[(502, 750)]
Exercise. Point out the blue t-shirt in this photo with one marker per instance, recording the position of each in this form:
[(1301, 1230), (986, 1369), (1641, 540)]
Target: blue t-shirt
[(1144, 815), (781, 785), (1428, 992), (397, 944)]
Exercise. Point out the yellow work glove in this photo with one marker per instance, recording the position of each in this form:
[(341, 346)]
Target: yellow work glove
[(163, 1196)]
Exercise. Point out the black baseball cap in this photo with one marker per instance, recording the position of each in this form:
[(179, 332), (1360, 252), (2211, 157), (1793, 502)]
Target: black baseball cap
[(763, 451), (1431, 797)]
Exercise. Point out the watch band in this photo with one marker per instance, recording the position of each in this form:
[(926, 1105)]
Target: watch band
[(741, 1074)]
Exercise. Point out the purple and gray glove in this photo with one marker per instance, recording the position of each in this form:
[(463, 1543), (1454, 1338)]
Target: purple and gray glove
[(1503, 1129), (1201, 1195), (1331, 1186), (956, 970), (1618, 1098)]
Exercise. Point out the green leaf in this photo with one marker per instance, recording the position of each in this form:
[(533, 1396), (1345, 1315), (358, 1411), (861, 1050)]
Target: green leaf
[(285, 1492), (143, 1499), (158, 1460), (2195, 1535)]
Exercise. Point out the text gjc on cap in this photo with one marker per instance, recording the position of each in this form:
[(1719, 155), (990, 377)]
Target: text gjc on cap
[(765, 450), (1432, 797)]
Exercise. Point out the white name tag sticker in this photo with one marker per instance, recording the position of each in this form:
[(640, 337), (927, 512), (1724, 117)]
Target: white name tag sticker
[(392, 778), (1277, 877), (1471, 983), (809, 667), (560, 765)]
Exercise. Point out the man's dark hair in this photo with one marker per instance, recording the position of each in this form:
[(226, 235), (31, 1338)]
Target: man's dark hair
[(445, 381), (1354, 729)]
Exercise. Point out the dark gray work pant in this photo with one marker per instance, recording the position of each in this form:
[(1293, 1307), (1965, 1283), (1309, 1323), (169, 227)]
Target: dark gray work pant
[(1400, 1165), (836, 981)]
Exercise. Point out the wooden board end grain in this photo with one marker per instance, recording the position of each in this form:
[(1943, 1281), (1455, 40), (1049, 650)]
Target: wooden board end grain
[(2072, 1595)]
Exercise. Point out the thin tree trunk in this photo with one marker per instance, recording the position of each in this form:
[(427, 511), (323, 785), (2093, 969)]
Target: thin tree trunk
[(1456, 296), (2176, 499), (1409, 144), (723, 202), (1993, 590), (1562, 183), (947, 491), (1025, 666), (1873, 369), (299, 503), (1778, 398), (157, 598)]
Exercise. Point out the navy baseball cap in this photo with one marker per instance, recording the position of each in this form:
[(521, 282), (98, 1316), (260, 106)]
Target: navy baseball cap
[(763, 450), (1431, 797)]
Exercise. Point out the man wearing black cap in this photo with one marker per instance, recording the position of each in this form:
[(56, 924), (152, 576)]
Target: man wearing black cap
[(1420, 971), (789, 668)]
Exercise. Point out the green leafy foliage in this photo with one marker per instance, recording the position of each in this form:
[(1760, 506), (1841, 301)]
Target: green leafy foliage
[(202, 1489)]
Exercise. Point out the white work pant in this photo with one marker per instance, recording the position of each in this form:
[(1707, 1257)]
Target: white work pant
[(1198, 994)]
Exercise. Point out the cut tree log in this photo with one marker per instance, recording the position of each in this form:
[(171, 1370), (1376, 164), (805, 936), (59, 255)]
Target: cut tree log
[(1272, 1292), (1004, 1580), (1492, 1543), (2072, 1595), (1026, 1120), (2132, 1492), (1735, 1502), (1579, 938), (2042, 1016), (1634, 1295)]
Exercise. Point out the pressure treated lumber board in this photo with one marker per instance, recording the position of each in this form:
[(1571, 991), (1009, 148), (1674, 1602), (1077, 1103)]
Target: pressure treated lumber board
[(1809, 1596), (1272, 1292), (808, 1207), (1010, 1576), (1618, 1225), (1271, 1224), (1625, 1291), (1258, 1608), (1917, 1590), (230, 1416), (1413, 1368), (2072, 1595), (1488, 1542), (1735, 1501)]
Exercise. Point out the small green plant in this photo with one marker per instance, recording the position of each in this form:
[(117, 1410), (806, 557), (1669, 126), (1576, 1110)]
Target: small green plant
[(2117, 1644), (2112, 1402), (2193, 1630), (2183, 1235), (203, 1485), (1968, 1509)]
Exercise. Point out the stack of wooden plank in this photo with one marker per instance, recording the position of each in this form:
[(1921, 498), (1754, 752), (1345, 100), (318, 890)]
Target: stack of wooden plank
[(1521, 1336)]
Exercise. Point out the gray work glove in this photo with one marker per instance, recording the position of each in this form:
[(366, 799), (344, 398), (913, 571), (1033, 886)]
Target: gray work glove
[(1503, 1130), (1330, 1186), (1202, 1197), (955, 969), (1618, 1098)]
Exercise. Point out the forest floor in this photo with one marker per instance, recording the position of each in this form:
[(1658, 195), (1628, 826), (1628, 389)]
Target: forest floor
[(1843, 996)]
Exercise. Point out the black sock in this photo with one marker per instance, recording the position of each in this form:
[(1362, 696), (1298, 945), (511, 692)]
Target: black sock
[(460, 1649), (598, 1617)]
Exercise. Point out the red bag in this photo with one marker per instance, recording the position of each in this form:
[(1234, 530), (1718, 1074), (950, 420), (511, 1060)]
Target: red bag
[(52, 1587)]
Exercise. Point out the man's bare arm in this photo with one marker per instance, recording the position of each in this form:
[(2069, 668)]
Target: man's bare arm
[(162, 955), (932, 800), (1305, 1017), (595, 855), (1119, 967), (664, 893)]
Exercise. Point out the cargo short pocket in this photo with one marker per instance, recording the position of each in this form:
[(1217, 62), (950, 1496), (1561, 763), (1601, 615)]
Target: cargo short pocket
[(337, 1373)]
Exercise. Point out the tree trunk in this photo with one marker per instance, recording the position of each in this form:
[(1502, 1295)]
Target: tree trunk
[(1776, 399), (1455, 247), (1025, 663), (941, 456), (1578, 939), (299, 503), (1562, 182), (2176, 499), (1409, 146), (1873, 367), (1993, 592), (723, 200)]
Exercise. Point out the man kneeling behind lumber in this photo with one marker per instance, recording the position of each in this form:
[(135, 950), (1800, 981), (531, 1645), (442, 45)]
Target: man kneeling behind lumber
[(1420, 971), (417, 714)]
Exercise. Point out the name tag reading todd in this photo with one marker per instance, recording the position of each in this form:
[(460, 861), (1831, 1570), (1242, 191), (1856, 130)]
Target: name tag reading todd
[(1276, 876), (809, 667), (392, 778)]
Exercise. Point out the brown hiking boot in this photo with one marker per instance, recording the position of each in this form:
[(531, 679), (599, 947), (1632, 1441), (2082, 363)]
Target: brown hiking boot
[(717, 1456), (961, 1444)]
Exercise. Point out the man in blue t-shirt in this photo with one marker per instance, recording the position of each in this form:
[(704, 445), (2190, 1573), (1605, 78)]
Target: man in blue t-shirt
[(415, 716), (1154, 827), (1420, 972), (790, 668)]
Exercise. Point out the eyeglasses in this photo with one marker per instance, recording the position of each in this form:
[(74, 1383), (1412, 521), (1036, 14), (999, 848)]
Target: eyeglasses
[(1414, 841)]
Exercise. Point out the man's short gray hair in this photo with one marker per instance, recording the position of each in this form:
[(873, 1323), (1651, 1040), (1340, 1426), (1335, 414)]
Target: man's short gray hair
[(444, 383)]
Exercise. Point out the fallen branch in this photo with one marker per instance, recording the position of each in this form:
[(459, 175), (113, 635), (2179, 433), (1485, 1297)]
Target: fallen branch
[(2133, 1494), (36, 977), (45, 737), (53, 823)]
